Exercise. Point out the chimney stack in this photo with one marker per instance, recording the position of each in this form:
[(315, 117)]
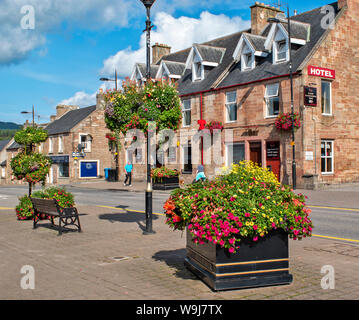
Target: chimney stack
[(61, 109), (158, 51), (260, 13), (52, 118)]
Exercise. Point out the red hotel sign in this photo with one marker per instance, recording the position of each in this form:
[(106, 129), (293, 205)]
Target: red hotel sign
[(321, 72)]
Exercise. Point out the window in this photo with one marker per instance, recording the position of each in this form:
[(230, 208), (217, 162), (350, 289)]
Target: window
[(186, 112), (61, 144), (231, 106), (327, 156), (247, 61), (63, 170), (197, 71), (3, 172), (272, 99), (235, 153), (85, 141), (51, 145), (281, 52), (326, 97)]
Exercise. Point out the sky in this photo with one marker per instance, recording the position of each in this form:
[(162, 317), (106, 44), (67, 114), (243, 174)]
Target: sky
[(55, 51)]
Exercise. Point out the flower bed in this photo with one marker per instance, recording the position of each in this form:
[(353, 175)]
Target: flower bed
[(165, 178), (247, 201), (24, 210)]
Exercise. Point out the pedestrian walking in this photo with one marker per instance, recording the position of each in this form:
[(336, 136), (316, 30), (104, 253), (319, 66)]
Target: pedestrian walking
[(128, 172)]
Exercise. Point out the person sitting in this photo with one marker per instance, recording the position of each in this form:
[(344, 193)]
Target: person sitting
[(200, 174)]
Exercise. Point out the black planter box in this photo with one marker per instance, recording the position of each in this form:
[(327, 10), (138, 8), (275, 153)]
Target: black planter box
[(166, 183), (255, 264)]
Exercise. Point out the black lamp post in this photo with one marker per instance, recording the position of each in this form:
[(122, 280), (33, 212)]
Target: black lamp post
[(294, 165), (33, 115), (115, 80), (148, 4)]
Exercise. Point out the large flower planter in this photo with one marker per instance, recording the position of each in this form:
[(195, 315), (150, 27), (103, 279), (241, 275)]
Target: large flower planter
[(166, 183), (256, 264)]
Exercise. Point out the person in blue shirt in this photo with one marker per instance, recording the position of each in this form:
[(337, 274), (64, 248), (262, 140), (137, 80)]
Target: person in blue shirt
[(128, 171), (200, 174)]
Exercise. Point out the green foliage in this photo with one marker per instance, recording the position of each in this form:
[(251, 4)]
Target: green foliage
[(30, 135), (7, 134), (134, 106), (246, 201), (32, 167), (64, 198), (25, 211)]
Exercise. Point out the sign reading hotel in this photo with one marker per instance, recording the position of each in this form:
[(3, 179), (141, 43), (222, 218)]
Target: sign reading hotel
[(321, 72)]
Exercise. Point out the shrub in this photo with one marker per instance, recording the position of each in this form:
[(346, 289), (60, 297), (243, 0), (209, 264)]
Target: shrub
[(246, 201), (24, 210), (163, 172)]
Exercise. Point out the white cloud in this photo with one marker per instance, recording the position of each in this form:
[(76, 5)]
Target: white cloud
[(16, 43), (81, 99), (179, 33)]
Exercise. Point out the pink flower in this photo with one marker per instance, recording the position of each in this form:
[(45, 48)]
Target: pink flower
[(247, 214), (255, 227), (255, 239), (231, 250), (232, 199)]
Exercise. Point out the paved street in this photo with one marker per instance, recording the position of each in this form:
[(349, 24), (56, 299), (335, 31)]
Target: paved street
[(112, 259)]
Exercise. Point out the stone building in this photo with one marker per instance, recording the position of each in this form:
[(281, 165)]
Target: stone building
[(243, 81), (77, 144)]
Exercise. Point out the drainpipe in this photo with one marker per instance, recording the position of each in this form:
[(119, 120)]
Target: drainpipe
[(201, 107)]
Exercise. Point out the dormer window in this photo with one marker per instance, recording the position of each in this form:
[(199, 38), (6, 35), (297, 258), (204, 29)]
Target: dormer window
[(197, 71), (247, 61), (281, 51)]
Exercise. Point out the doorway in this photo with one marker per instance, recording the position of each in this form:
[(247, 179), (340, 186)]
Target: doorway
[(255, 150), (273, 157)]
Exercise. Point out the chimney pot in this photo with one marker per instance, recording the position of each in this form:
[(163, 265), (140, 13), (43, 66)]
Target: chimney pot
[(260, 13)]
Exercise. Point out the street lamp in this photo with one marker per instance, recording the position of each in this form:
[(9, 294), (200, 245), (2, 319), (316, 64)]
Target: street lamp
[(294, 165), (33, 115), (148, 4), (115, 80)]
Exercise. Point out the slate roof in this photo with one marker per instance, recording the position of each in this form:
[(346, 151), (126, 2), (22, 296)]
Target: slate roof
[(175, 68), (14, 146), (210, 53), (153, 69), (266, 69), (256, 41), (3, 144), (69, 120)]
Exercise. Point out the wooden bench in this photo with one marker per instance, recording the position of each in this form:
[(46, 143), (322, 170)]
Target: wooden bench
[(50, 207)]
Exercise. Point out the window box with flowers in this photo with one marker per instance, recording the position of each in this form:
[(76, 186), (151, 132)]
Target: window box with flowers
[(238, 227), (165, 178), (284, 122)]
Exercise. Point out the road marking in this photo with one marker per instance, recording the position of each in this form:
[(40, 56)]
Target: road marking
[(335, 238), (334, 208), (130, 210), (3, 208)]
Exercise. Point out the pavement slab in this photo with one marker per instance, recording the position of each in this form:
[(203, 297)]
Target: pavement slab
[(112, 259)]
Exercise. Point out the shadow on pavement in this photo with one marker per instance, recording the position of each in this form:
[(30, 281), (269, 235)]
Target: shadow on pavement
[(175, 260), (128, 216)]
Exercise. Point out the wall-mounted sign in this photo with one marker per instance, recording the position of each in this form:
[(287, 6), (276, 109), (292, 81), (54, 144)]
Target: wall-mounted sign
[(273, 151), (310, 96), (78, 154), (309, 156), (321, 72)]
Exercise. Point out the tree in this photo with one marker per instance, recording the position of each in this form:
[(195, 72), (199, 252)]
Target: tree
[(28, 165)]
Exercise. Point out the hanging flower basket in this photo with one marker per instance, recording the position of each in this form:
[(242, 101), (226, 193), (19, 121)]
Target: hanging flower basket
[(284, 122)]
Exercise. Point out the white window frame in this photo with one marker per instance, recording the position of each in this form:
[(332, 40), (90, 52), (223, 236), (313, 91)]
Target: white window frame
[(197, 71), (280, 36), (330, 98), (58, 172), (267, 98), (88, 143), (60, 144), (229, 104), (247, 59), (327, 157), (3, 172), (185, 109), (51, 145)]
